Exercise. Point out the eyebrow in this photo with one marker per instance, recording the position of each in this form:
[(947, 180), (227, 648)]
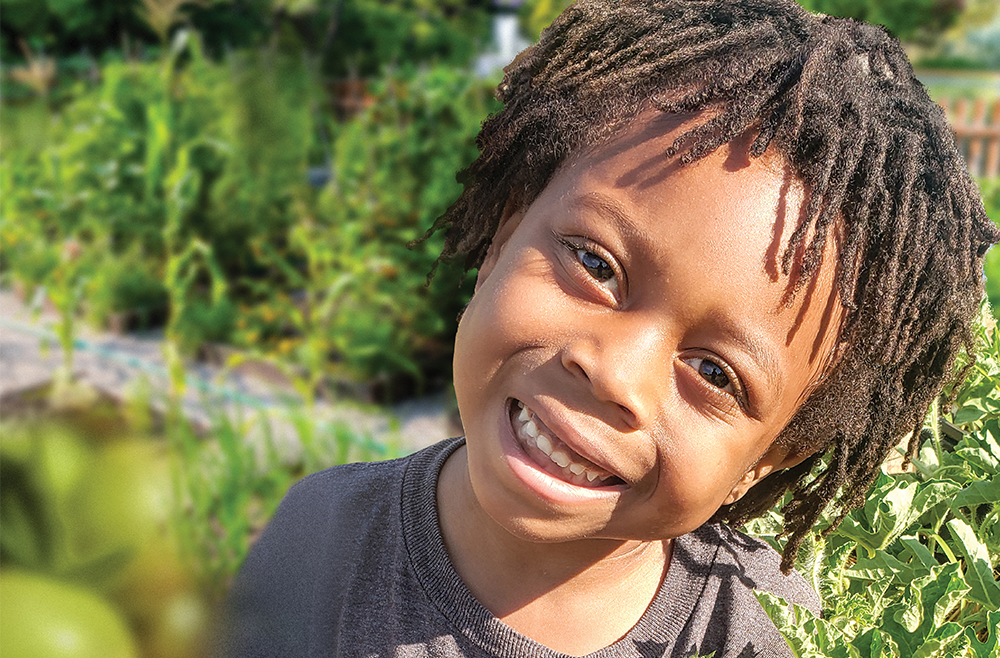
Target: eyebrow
[(760, 352), (611, 209)]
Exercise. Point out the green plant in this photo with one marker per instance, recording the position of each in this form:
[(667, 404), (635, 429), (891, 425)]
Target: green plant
[(65, 289), (393, 175), (369, 35), (166, 155), (27, 259), (913, 571), (991, 199), (904, 18), (125, 283), (233, 476)]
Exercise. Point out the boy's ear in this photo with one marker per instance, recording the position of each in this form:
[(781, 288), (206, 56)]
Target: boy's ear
[(512, 215), (775, 459)]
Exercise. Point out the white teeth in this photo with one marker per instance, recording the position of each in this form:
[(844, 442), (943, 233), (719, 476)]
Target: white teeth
[(520, 405), (560, 458), (530, 433)]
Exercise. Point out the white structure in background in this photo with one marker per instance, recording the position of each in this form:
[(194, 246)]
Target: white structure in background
[(507, 39)]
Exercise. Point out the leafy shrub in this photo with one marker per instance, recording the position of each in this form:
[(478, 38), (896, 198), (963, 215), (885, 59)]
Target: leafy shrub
[(906, 19), (991, 198), (126, 283), (359, 37), (364, 289), (913, 571), (188, 152), (241, 138), (372, 34)]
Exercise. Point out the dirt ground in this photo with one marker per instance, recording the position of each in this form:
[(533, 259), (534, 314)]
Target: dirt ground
[(123, 365)]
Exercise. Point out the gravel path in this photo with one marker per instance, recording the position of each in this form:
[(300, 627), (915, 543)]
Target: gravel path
[(121, 365)]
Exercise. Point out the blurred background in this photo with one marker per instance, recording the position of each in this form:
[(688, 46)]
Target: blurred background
[(213, 271)]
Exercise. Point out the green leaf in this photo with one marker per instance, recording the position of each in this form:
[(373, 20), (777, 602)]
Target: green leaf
[(919, 551), (873, 643), (947, 641), (954, 591), (882, 566), (968, 414), (981, 492), (833, 582), (911, 614), (893, 506), (978, 571), (991, 647), (807, 635), (978, 458), (931, 598)]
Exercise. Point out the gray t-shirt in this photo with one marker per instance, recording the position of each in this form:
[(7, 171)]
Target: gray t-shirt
[(353, 564)]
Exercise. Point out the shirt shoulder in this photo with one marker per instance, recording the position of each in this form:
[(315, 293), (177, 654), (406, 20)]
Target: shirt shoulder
[(760, 566), (728, 567), (335, 533)]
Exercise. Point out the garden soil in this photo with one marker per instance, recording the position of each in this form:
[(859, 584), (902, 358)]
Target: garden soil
[(129, 365)]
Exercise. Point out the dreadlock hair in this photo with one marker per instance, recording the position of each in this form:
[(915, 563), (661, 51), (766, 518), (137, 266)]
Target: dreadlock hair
[(838, 100)]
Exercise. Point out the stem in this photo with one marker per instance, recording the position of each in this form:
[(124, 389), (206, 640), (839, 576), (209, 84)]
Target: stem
[(936, 430)]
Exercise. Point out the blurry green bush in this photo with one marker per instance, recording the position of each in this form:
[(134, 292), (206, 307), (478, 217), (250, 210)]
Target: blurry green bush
[(345, 37), (906, 19), (186, 151), (103, 175)]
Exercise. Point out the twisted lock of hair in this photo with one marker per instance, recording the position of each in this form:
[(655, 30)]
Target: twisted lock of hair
[(838, 100)]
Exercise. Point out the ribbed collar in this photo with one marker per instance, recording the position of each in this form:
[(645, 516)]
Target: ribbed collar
[(655, 632)]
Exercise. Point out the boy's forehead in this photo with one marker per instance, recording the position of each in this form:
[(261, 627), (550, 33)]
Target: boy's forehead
[(632, 165)]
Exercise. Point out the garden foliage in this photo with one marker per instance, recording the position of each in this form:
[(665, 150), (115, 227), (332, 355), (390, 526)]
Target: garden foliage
[(991, 197), (906, 19), (344, 37), (183, 151), (914, 571)]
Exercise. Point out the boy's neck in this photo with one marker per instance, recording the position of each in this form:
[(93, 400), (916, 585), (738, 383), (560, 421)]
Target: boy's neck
[(547, 591)]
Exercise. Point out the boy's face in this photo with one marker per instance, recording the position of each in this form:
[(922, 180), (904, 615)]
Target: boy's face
[(637, 312)]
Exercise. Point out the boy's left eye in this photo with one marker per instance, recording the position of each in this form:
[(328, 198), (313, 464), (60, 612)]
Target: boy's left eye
[(715, 375)]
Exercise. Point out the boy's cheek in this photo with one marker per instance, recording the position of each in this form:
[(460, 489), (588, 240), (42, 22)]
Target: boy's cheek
[(508, 224)]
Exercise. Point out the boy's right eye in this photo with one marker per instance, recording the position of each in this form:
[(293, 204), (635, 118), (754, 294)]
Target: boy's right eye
[(596, 266)]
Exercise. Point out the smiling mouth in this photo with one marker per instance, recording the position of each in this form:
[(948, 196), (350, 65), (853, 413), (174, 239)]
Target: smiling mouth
[(552, 455)]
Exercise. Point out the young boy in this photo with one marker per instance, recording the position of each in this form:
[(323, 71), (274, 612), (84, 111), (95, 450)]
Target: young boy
[(715, 241)]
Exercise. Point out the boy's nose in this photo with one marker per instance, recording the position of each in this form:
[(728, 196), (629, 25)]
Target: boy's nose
[(624, 365)]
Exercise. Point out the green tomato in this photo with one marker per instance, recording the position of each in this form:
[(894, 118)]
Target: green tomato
[(181, 630), (125, 501), (62, 461), (45, 618)]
